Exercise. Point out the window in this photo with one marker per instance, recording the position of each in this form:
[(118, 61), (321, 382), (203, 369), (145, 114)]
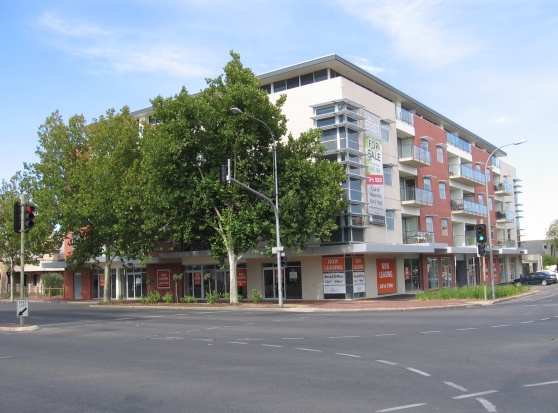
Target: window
[(427, 184), (320, 75), (325, 122), (445, 227), (385, 131), (279, 86), (440, 154), (429, 225), (390, 220), (442, 187), (388, 176), (481, 199), (327, 109), (293, 82), (307, 79), (424, 144)]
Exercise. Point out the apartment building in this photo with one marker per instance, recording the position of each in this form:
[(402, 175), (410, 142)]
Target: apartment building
[(417, 184)]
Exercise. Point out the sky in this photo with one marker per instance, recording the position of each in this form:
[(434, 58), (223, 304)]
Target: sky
[(489, 65)]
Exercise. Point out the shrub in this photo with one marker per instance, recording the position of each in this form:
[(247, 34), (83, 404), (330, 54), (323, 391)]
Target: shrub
[(256, 296), (189, 299), (142, 299), (167, 298), (54, 280), (154, 297), (212, 297)]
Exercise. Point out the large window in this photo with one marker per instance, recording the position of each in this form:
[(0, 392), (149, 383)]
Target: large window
[(442, 187), (390, 220), (430, 225)]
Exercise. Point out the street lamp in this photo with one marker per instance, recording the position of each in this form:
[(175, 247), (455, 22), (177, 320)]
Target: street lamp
[(488, 210), (278, 248)]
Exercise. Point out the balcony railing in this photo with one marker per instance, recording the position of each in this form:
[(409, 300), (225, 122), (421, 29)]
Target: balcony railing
[(503, 187), (506, 216), (417, 197), (414, 155), (465, 207), (404, 115), (458, 142), (464, 240), (417, 237), (466, 175), (509, 243)]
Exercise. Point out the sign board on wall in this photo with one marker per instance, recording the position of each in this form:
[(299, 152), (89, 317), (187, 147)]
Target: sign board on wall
[(386, 276), (375, 169), (333, 271), (163, 278), (241, 277), (359, 281)]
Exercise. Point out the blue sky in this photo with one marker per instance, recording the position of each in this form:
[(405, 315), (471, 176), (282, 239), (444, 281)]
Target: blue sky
[(489, 65)]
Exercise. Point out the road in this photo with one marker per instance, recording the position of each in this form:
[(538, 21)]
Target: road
[(499, 358)]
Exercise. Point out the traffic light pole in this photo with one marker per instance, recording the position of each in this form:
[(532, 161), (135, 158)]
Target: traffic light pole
[(22, 253)]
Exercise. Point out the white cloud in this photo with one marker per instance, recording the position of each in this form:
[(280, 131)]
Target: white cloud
[(421, 30), (122, 51), (365, 64)]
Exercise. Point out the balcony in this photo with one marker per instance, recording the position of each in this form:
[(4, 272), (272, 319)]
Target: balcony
[(503, 188), (466, 175), (510, 243), (505, 216), (417, 237), (416, 197), (467, 208), (413, 155), (464, 240)]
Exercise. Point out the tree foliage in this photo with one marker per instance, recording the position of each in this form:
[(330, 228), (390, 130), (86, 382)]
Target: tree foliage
[(87, 184), (552, 234), (198, 133)]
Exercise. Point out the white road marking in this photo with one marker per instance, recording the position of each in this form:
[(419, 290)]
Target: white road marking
[(455, 386), (544, 319), (394, 409), (482, 393), (428, 332), (348, 355), (6, 357), (272, 345), (540, 384), (527, 322), (501, 325), (203, 339), (465, 329), (308, 349), (487, 405), (346, 337), (236, 342), (292, 338), (391, 363), (383, 335), (423, 373), (250, 339)]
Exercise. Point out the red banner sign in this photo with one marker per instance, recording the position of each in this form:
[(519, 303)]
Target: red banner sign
[(386, 276)]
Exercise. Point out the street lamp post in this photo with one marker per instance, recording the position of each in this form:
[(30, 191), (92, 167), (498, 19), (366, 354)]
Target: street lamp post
[(278, 248), (491, 256)]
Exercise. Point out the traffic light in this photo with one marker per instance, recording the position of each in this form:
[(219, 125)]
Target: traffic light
[(481, 233), (481, 249), (224, 175), (17, 217), (29, 216), (283, 260)]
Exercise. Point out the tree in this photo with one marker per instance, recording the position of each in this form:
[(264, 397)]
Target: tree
[(197, 134), (552, 235), (87, 183)]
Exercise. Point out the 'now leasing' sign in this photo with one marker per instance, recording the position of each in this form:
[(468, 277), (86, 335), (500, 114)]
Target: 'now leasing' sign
[(385, 269), (333, 271)]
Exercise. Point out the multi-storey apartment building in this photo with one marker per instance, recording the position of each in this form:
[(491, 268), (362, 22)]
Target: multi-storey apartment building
[(417, 184)]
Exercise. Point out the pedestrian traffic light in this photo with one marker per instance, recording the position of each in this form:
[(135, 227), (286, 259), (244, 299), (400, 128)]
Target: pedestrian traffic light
[(481, 233), (481, 249), (283, 260), (29, 216), (17, 217)]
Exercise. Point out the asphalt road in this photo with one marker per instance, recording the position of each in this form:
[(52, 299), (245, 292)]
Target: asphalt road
[(499, 358)]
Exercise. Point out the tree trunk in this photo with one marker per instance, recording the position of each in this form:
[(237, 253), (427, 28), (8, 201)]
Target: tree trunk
[(106, 292), (233, 258)]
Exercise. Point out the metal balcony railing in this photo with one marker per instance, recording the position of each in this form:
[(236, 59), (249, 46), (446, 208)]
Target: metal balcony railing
[(414, 152), (417, 237)]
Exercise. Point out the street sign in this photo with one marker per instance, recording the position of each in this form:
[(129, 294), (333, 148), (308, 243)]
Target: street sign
[(274, 250), (22, 308)]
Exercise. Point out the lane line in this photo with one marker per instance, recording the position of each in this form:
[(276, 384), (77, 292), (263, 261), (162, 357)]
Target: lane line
[(422, 373), (346, 337), (383, 335), (455, 386), (465, 329), (428, 332), (391, 363), (308, 349), (501, 325), (541, 384), (482, 393), (348, 355), (487, 405), (394, 409), (272, 345)]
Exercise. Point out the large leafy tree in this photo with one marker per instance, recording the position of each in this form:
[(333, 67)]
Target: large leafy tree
[(197, 134), (87, 184)]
